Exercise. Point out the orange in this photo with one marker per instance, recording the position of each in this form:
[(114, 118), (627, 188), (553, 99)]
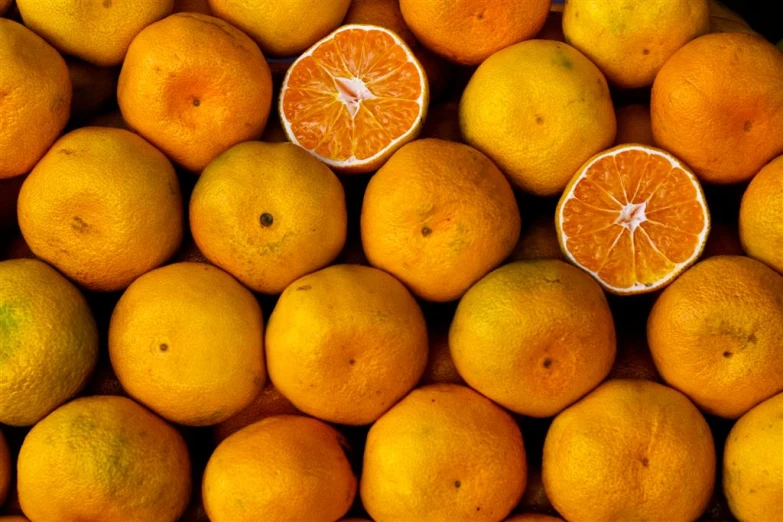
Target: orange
[(283, 468), (440, 366), (533, 517), (538, 241), (98, 31), (533, 336), (630, 40), (103, 458), (383, 13), (283, 28), (192, 6), (35, 98), (717, 104), (715, 334), (538, 136), (354, 98), (103, 206), (187, 341), (443, 453), (634, 125), (5, 469), (438, 216), (634, 217), (630, 450), (268, 214), (761, 216), (13, 519), (268, 403), (48, 341), (752, 467), (345, 343), (93, 87), (194, 86), (469, 31)]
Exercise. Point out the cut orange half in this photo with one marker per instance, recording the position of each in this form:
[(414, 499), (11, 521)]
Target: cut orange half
[(634, 217), (354, 98)]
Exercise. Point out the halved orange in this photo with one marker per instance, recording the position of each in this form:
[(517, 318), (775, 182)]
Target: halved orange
[(634, 217), (354, 98)]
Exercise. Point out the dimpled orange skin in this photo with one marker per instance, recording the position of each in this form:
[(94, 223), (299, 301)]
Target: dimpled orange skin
[(48, 341), (103, 458), (630, 450), (345, 343), (725, 130), (534, 336), (187, 341), (268, 214), (468, 31), (761, 216), (103, 206), (194, 86), (5, 469), (715, 334), (35, 93), (284, 468), (438, 216), (443, 453), (752, 467), (539, 109)]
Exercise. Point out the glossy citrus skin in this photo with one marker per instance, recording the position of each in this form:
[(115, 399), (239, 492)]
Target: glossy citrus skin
[(103, 206), (194, 86), (725, 130), (469, 31), (187, 341), (629, 40), (5, 469), (48, 341), (283, 28), (443, 453), (715, 334), (36, 94), (287, 467), (538, 136), (761, 216), (103, 458), (268, 214), (345, 343), (752, 468), (268, 403), (533, 336), (630, 450), (438, 216)]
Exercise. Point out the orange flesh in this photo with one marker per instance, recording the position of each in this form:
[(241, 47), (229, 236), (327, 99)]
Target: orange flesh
[(354, 95), (634, 219)]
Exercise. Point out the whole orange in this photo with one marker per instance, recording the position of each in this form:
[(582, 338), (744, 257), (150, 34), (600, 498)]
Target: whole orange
[(194, 86), (715, 334), (35, 98), (438, 216), (443, 453), (345, 343), (468, 31), (103, 206), (268, 213), (283, 468), (103, 458), (187, 341), (717, 104), (630, 450)]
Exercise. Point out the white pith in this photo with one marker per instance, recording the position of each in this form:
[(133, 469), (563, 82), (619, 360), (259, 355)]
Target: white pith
[(356, 92), (631, 217)]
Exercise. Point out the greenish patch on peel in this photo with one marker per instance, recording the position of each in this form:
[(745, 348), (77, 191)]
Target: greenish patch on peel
[(562, 60), (10, 319)]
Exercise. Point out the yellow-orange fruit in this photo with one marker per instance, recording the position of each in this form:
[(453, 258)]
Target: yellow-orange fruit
[(761, 216)]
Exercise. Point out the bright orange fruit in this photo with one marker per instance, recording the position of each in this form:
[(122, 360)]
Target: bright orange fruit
[(354, 98), (634, 217)]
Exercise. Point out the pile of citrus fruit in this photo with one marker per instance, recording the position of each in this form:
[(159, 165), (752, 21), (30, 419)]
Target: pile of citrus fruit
[(389, 260)]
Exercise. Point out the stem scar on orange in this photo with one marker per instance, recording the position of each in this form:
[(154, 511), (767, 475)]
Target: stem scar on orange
[(634, 217), (354, 98)]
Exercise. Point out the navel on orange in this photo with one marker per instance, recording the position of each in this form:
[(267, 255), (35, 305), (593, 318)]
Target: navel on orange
[(634, 217), (354, 98)]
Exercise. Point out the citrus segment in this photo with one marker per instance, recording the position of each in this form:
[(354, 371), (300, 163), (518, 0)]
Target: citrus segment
[(354, 97), (634, 217)]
